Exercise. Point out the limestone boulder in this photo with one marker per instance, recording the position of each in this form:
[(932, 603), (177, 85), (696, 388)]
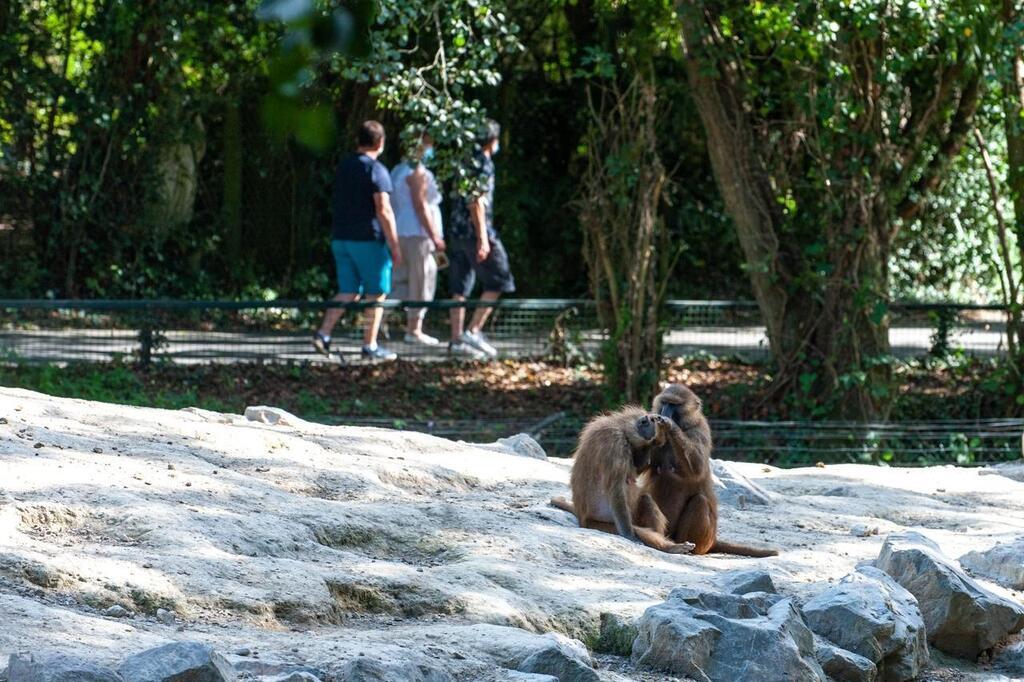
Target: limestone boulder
[(869, 614), (57, 667), (962, 617), (177, 662), (725, 637), (842, 665), (735, 489), (1003, 564), (745, 581), (367, 669)]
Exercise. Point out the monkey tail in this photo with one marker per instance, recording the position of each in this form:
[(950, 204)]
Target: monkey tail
[(564, 504), (741, 550)]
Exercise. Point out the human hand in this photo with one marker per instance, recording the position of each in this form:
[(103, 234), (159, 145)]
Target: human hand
[(483, 249), (396, 256), (439, 244)]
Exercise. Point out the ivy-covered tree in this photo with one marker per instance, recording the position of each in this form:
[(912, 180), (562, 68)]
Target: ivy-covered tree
[(828, 124)]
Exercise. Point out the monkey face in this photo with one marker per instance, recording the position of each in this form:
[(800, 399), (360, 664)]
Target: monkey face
[(670, 411)]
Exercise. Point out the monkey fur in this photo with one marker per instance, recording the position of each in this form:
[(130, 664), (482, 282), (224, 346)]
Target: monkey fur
[(683, 489), (613, 450)]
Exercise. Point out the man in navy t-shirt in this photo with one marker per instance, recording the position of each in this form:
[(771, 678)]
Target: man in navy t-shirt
[(475, 251), (363, 238)]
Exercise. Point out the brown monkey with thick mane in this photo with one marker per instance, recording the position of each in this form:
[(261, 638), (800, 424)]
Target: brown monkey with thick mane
[(683, 489), (613, 450)]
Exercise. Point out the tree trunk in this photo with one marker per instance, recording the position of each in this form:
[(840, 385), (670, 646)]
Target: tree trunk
[(231, 209), (821, 340), (1013, 115)]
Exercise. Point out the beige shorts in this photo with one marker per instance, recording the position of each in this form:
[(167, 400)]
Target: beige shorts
[(416, 278)]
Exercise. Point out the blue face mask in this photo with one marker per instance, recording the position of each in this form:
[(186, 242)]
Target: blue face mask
[(427, 155)]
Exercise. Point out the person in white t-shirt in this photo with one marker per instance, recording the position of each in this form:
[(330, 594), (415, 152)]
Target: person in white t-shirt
[(417, 204)]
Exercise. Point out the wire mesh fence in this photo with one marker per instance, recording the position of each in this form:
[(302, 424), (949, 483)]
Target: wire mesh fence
[(280, 331), (198, 332), (783, 444)]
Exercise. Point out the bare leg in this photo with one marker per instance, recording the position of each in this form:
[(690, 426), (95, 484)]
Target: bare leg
[(481, 314), (332, 315), (414, 322), (374, 317), (457, 317)]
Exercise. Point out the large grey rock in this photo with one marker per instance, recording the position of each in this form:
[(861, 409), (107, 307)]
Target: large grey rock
[(735, 489), (842, 665), (177, 662), (1013, 470), (962, 617), (868, 613), (516, 649), (557, 661), (1010, 660), (366, 669), (55, 667), (1003, 564), (745, 581), (521, 444), (722, 637)]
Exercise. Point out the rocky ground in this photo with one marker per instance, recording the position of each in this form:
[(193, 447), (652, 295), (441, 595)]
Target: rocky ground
[(365, 554)]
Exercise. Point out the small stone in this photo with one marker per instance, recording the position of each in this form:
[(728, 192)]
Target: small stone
[(165, 616), (188, 484), (862, 530), (116, 611), (38, 445), (98, 451), (244, 651), (170, 467)]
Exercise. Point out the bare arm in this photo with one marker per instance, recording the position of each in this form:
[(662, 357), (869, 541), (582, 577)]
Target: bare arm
[(386, 217), (417, 181), (478, 214)]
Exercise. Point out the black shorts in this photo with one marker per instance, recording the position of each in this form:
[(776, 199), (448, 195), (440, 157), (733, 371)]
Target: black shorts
[(493, 272)]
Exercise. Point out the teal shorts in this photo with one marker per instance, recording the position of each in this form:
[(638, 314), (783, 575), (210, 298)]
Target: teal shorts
[(363, 267)]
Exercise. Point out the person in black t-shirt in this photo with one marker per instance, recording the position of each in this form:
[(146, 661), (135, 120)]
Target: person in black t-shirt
[(475, 250), (363, 238)]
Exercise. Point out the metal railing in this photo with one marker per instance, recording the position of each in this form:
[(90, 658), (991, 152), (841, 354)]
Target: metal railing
[(279, 331)]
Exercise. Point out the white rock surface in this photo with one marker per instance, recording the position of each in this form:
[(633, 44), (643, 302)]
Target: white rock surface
[(310, 545)]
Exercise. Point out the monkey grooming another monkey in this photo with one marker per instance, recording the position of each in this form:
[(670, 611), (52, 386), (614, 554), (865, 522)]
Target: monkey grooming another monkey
[(613, 450), (684, 491)]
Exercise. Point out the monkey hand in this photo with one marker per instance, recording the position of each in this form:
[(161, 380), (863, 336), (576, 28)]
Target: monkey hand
[(649, 426), (681, 548)]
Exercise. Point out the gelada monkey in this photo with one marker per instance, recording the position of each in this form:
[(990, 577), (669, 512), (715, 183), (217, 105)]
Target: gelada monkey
[(684, 490), (613, 450)]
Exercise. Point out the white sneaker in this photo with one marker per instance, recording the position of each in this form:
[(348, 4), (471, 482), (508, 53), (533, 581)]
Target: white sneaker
[(466, 351), (423, 339), (477, 341)]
